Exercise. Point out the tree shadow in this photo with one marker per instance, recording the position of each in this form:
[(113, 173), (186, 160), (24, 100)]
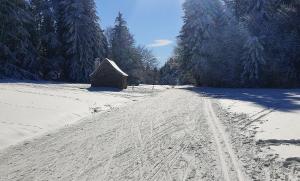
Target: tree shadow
[(285, 100), (37, 82), (29, 81), (44, 82), (103, 89)]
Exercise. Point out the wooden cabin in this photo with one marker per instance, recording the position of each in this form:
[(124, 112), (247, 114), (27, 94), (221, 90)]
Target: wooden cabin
[(108, 74)]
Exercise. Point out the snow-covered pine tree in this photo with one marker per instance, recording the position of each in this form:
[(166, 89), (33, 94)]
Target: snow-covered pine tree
[(253, 60), (17, 54), (122, 43), (46, 38), (200, 37), (123, 50), (99, 40), (196, 28), (276, 22), (170, 72), (83, 38)]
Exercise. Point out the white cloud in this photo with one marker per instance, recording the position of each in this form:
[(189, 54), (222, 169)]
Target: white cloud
[(160, 43)]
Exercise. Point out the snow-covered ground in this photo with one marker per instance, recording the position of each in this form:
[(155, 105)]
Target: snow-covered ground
[(176, 134), (275, 114), (31, 109)]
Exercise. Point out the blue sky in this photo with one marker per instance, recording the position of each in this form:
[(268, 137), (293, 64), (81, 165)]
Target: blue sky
[(154, 23)]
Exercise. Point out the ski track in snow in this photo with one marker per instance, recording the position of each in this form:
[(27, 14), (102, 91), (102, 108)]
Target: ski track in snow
[(222, 138), (174, 135), (28, 110)]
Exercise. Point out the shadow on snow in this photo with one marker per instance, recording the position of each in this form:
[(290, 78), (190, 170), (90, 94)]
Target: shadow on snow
[(103, 89), (44, 82), (285, 100)]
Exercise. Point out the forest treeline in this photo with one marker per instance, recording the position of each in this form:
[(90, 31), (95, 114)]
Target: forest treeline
[(222, 43), (60, 40), (237, 43)]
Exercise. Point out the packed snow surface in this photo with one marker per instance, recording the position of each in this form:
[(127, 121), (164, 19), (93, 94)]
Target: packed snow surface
[(276, 114), (31, 109), (163, 137), (161, 133)]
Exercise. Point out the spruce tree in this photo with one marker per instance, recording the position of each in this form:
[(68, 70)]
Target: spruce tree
[(46, 38), (276, 23), (122, 43), (253, 61), (202, 42), (123, 50), (17, 54), (83, 38)]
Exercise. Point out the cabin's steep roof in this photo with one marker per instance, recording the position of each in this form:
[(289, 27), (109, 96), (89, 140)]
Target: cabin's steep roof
[(116, 67), (113, 64)]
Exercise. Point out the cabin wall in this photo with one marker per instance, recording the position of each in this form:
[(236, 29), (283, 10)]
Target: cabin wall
[(107, 76)]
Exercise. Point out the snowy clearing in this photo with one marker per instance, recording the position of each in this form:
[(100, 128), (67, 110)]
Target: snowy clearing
[(165, 133), (275, 115), (31, 109), (164, 137)]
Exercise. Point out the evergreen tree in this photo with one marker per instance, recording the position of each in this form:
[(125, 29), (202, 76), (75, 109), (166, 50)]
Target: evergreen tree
[(253, 62), (46, 38), (123, 50), (206, 44), (196, 28), (17, 54), (276, 24), (122, 43), (170, 72), (82, 37)]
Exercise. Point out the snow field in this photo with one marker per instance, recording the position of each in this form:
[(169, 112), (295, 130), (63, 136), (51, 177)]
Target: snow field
[(31, 109)]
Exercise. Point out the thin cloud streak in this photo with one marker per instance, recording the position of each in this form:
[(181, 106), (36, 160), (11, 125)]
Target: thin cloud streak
[(160, 43)]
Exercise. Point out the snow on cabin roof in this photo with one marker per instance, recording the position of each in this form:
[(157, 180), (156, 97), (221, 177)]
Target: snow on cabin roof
[(116, 67), (113, 64)]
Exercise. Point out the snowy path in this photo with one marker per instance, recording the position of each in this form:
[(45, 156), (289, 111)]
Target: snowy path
[(173, 136)]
